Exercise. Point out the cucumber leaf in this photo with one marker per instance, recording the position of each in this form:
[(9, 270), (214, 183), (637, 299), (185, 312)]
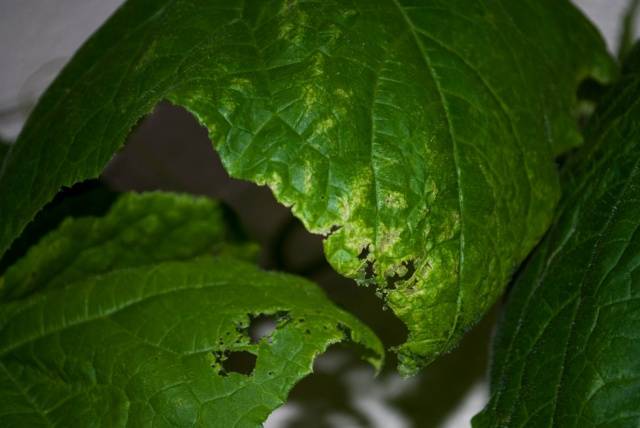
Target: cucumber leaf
[(139, 229), (567, 352), (88, 198), (418, 135), (150, 324), (147, 346)]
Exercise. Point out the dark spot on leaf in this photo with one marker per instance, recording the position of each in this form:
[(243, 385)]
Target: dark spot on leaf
[(241, 328), (345, 330)]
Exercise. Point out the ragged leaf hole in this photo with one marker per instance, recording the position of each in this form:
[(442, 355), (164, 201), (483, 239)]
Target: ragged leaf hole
[(262, 326), (410, 269), (332, 230), (369, 269), (364, 254), (241, 362)]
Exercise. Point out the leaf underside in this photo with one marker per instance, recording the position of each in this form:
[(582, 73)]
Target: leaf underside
[(147, 342), (418, 135), (567, 352)]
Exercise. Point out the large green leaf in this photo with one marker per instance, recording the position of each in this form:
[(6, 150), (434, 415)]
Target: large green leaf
[(418, 135), (140, 229), (146, 346), (129, 320), (567, 353)]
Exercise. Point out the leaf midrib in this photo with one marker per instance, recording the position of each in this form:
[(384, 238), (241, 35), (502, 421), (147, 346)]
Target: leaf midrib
[(427, 60), (111, 310), (580, 285), (597, 249)]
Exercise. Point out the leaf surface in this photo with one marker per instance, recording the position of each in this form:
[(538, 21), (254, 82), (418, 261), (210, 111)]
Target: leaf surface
[(143, 317), (567, 352), (418, 135), (146, 347), (89, 198), (139, 229)]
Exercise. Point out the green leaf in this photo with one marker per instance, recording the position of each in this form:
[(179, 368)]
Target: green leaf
[(140, 229), (419, 136), (146, 347), (567, 352), (88, 198)]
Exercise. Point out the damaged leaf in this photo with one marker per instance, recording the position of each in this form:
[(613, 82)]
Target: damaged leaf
[(151, 323), (146, 346), (423, 132)]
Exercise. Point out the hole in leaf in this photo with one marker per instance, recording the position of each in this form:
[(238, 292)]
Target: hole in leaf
[(369, 272), (262, 326), (334, 229), (241, 362), (394, 279), (364, 253)]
